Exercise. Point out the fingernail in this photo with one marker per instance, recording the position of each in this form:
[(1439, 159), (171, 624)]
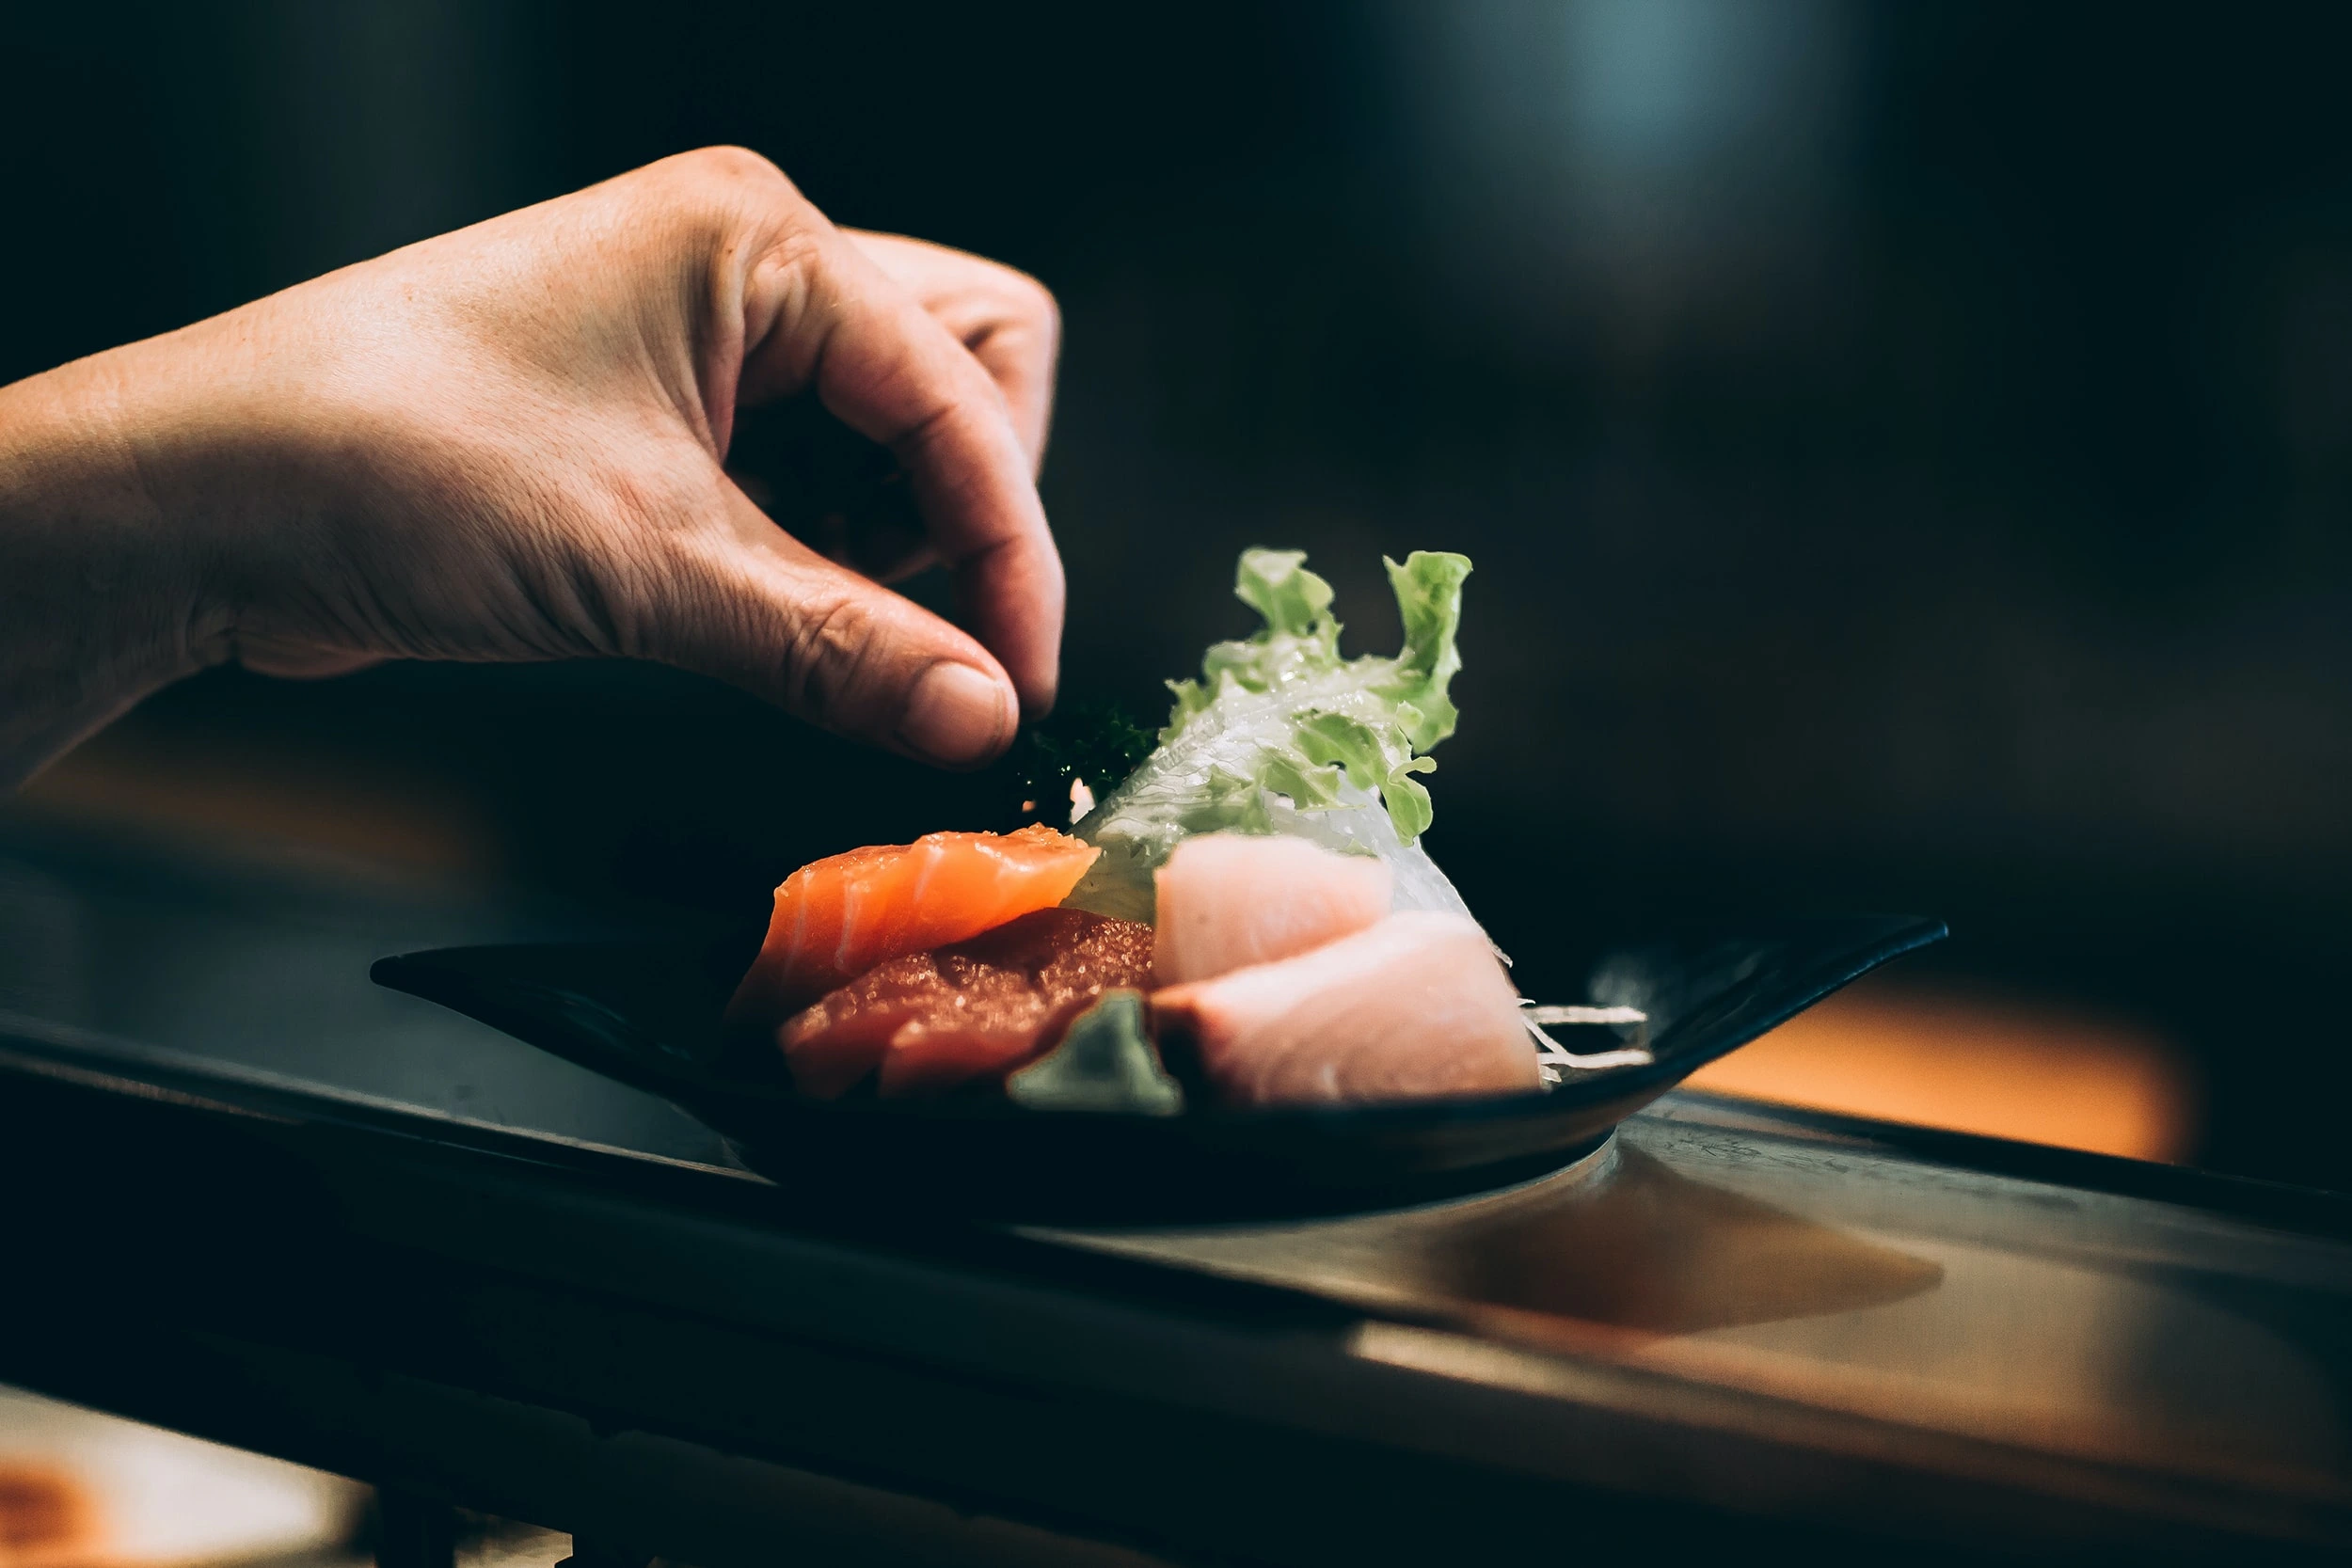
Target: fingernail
[(955, 715)]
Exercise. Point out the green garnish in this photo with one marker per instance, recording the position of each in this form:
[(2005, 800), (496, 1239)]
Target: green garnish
[(1366, 718), (1105, 1062), (1280, 734), (1097, 742)]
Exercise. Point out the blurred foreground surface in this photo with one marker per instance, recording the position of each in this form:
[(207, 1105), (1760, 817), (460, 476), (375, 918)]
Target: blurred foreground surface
[(83, 1490)]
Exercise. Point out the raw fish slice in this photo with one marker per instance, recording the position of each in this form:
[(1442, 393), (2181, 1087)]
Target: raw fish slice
[(976, 1009), (1414, 1008), (1229, 900), (838, 917)]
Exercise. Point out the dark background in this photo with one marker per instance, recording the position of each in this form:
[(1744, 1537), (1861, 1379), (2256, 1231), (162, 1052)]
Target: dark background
[(1907, 450)]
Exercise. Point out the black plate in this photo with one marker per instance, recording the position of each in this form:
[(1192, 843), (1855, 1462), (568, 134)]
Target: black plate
[(649, 1016)]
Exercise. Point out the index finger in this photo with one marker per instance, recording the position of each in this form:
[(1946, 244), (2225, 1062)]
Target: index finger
[(1005, 318), (882, 366)]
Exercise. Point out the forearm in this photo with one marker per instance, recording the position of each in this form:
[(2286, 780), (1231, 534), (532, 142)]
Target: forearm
[(99, 601)]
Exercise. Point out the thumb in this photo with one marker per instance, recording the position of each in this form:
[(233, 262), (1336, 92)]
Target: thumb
[(760, 610)]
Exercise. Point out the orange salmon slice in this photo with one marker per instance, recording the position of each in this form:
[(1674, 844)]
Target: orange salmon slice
[(838, 917)]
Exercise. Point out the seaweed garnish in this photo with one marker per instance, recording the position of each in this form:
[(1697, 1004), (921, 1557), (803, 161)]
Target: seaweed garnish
[(1094, 745)]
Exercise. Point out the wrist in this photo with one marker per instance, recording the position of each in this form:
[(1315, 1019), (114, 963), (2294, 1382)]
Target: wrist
[(102, 600)]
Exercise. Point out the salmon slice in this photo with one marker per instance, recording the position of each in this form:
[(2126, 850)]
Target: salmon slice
[(1229, 900), (838, 917), (1414, 1008), (978, 1009)]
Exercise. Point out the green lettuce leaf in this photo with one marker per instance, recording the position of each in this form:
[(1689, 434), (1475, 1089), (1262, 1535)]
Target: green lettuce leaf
[(1365, 719), (1279, 734), (1361, 718)]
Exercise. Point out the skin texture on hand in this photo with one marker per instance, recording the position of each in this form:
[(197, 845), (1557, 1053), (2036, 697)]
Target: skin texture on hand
[(508, 444)]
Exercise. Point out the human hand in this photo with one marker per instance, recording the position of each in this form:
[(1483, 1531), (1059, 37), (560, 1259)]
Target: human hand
[(507, 443)]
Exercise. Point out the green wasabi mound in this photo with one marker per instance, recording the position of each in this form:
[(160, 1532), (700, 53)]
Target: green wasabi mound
[(1105, 1062), (1281, 734)]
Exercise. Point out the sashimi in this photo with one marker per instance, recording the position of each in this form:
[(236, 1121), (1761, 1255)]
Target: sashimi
[(1413, 1007), (930, 1022), (1229, 900), (838, 917)]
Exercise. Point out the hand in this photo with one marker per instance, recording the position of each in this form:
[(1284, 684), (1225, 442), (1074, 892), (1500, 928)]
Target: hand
[(507, 443)]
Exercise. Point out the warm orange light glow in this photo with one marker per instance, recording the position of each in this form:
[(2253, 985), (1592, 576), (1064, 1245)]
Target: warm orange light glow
[(79, 1489), (1975, 1064), (282, 801), (47, 1519)]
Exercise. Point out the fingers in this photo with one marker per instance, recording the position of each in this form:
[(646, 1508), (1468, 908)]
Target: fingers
[(1005, 318), (886, 367), (762, 611)]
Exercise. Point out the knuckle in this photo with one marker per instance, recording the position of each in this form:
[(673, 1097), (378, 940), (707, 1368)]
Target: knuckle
[(658, 498), (796, 257), (1024, 300), (730, 167), (722, 187), (1037, 302), (829, 654)]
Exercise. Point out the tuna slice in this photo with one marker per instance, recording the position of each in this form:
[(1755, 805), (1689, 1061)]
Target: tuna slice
[(1227, 900), (838, 917), (1411, 1008), (978, 1009)]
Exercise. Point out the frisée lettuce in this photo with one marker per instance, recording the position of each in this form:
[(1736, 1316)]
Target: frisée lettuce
[(1281, 734)]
